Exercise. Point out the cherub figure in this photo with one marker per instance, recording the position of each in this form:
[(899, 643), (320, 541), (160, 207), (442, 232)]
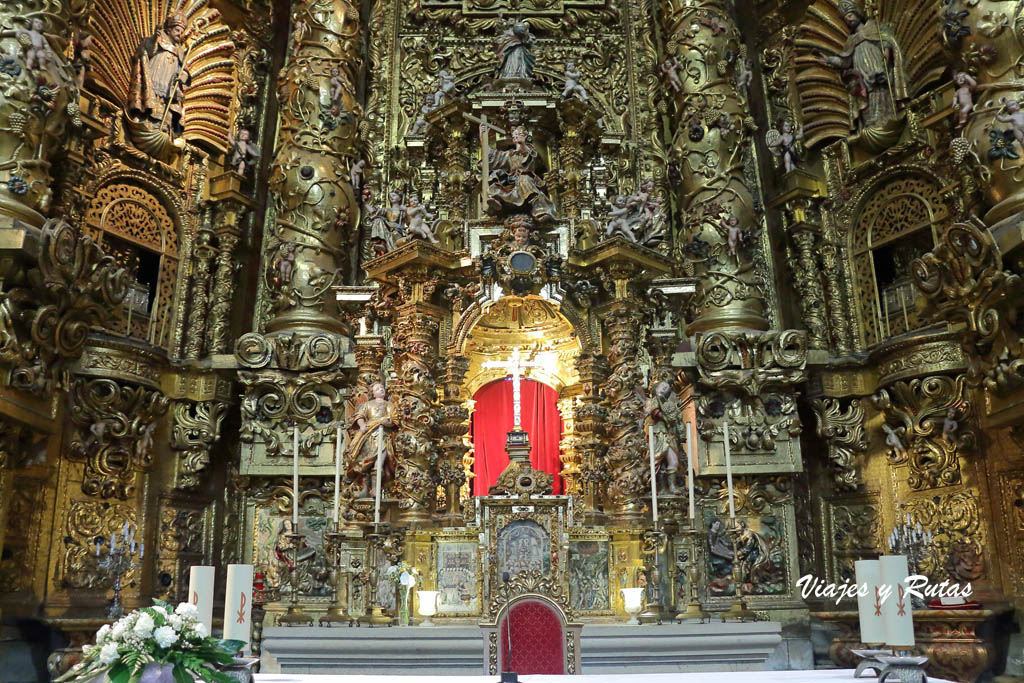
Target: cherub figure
[(355, 176), (38, 52), (338, 86), (283, 265), (744, 75), (950, 426), (733, 232), (144, 446), (782, 143), (298, 33), (1015, 117), (417, 216), (83, 57), (669, 67), (243, 152), (572, 82), (893, 441), (963, 97), (420, 125), (619, 222), (445, 85)]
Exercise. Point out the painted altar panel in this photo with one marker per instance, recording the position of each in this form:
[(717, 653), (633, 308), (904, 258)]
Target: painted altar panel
[(523, 545), (458, 584), (589, 588), (271, 554)]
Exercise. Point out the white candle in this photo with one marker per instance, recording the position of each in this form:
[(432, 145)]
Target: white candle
[(376, 481), (689, 464), (728, 469), (337, 473), (897, 611), (654, 478), (295, 481), (869, 605), (238, 604), (200, 594)]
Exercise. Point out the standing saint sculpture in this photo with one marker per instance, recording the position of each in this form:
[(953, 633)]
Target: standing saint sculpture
[(513, 52), (370, 445), (664, 417), (872, 64), (513, 181), (159, 77)]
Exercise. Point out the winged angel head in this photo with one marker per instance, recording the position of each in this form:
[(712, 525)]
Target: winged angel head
[(169, 65)]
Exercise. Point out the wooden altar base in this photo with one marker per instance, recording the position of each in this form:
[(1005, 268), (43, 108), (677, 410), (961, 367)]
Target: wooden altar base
[(458, 650)]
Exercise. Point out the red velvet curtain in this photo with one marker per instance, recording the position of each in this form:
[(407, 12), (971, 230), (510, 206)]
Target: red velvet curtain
[(492, 420)]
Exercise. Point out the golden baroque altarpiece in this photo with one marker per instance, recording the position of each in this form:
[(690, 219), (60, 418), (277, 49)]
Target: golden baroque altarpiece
[(225, 222)]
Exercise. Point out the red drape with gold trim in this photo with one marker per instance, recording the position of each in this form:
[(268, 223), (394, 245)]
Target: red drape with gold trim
[(492, 420)]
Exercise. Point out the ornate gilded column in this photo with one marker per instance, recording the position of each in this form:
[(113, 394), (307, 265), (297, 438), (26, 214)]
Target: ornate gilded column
[(415, 328), (589, 416), (219, 322), (453, 196), (835, 294), (803, 263), (202, 256), (40, 98), (570, 457), (710, 137), (574, 118), (311, 194), (454, 426), (626, 459)]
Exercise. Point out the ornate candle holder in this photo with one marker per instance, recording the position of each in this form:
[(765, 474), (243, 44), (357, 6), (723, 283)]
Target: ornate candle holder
[(908, 540), (652, 550), (337, 612), (295, 614), (120, 560), (375, 616), (738, 610), (693, 610)]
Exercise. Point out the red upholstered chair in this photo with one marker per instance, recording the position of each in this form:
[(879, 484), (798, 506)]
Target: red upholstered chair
[(544, 638)]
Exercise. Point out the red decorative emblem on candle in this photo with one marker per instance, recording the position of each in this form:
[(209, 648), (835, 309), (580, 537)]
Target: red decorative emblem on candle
[(241, 610), (195, 598), (878, 602), (901, 603)]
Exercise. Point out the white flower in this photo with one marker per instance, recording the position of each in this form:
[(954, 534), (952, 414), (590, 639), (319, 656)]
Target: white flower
[(160, 609), (200, 630), (144, 625), (186, 609), (121, 627), (165, 636), (108, 655), (176, 622), (87, 650), (102, 634)]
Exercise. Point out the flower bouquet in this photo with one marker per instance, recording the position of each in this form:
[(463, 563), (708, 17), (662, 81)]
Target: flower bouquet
[(157, 644), (404, 576)]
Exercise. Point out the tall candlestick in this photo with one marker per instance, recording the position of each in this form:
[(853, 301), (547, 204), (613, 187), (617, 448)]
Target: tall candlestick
[(295, 480), (376, 482), (337, 473), (728, 469), (689, 464), (654, 477)]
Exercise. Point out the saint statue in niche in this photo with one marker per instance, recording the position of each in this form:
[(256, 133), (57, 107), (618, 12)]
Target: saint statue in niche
[(872, 65), (513, 52), (159, 77), (370, 438), (664, 415), (523, 546), (513, 180)]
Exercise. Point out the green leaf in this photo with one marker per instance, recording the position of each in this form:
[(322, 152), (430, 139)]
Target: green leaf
[(232, 647), (181, 675), (119, 673)]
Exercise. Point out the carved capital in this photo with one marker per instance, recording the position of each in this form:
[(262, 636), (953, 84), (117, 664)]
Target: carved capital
[(843, 430)]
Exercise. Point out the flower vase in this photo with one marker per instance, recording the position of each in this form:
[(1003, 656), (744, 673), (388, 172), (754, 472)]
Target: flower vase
[(157, 672), (403, 608)]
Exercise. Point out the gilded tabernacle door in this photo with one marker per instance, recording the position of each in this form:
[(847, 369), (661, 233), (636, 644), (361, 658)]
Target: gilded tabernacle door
[(523, 534)]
